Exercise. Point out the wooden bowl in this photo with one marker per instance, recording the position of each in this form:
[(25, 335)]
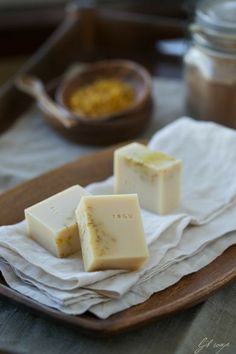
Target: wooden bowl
[(112, 129)]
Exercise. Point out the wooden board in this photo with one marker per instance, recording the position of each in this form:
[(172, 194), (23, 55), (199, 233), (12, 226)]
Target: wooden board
[(191, 290)]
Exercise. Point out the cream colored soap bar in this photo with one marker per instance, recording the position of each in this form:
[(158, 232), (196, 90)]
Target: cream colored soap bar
[(111, 232), (52, 222), (154, 176)]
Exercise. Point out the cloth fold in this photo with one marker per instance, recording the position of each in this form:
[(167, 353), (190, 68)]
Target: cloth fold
[(179, 243)]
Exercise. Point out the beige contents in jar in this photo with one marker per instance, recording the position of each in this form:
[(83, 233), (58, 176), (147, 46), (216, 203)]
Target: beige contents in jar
[(211, 89)]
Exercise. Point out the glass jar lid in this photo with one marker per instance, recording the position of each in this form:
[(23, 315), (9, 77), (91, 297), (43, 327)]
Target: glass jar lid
[(217, 16), (215, 26)]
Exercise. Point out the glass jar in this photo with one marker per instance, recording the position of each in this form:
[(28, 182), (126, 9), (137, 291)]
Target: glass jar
[(210, 63)]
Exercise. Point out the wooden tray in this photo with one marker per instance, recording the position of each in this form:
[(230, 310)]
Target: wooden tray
[(191, 290)]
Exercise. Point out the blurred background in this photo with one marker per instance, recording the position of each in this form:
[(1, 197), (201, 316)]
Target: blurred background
[(26, 24)]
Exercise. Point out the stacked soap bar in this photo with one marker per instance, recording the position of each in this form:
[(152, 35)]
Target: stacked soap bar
[(111, 232), (154, 176), (52, 222)]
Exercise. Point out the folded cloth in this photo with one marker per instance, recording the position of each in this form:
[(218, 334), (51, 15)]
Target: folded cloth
[(38, 295), (142, 291), (206, 215), (103, 307)]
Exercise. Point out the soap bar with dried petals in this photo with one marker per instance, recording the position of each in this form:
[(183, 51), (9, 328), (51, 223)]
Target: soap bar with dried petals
[(52, 222), (111, 232), (153, 175)]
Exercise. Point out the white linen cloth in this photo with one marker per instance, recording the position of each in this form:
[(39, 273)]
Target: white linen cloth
[(179, 243)]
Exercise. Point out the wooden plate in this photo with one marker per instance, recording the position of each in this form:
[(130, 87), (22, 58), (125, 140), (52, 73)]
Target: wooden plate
[(191, 290)]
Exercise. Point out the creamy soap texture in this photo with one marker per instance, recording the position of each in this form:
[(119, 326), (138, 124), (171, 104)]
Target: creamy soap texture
[(52, 222), (111, 232), (154, 176)]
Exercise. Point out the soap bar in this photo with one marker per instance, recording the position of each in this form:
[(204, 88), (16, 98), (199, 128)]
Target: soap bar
[(154, 176), (52, 222), (111, 232)]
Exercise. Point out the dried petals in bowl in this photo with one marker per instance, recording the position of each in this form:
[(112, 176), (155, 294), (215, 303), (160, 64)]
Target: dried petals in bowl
[(101, 98), (101, 81), (111, 128)]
